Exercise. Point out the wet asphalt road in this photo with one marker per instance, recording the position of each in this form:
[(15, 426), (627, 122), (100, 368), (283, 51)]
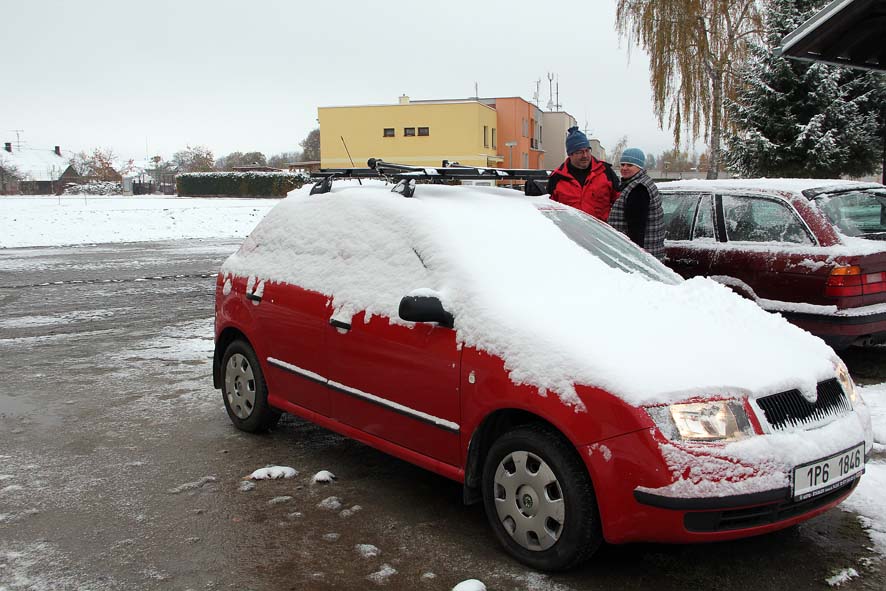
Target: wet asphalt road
[(120, 470)]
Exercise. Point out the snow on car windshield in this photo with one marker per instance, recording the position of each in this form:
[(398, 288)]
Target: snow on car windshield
[(856, 213), (520, 288), (610, 247)]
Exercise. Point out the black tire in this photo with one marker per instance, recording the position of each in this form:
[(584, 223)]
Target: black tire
[(546, 517), (244, 390)]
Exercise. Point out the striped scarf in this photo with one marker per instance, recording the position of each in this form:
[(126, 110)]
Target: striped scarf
[(653, 239)]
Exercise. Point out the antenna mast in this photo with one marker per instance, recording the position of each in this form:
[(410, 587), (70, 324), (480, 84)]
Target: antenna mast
[(18, 139), (550, 91)]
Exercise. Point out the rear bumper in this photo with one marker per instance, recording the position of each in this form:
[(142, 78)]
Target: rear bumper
[(842, 331), (622, 465)]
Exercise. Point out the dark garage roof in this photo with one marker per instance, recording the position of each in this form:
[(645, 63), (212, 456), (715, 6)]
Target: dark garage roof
[(845, 32)]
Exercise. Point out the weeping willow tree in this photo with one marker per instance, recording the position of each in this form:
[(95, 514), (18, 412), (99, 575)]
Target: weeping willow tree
[(694, 47)]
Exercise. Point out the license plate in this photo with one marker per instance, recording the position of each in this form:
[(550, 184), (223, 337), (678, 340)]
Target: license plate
[(822, 476)]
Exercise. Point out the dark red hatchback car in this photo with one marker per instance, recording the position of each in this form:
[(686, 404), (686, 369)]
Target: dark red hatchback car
[(812, 250)]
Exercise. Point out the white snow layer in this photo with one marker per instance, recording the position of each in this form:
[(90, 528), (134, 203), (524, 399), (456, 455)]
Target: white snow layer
[(273, 472), (470, 585), (323, 476), (54, 221), (520, 289), (868, 500)]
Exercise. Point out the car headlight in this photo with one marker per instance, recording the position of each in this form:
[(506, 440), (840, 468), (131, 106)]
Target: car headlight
[(848, 385), (720, 420)]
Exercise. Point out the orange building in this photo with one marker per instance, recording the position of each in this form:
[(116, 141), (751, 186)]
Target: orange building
[(520, 132)]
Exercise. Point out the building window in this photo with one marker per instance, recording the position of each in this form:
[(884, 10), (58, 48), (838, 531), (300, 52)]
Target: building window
[(525, 160), (389, 132), (485, 136), (493, 138), (525, 128), (424, 131), (409, 131)]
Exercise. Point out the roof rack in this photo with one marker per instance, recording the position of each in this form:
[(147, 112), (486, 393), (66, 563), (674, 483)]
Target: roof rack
[(405, 176)]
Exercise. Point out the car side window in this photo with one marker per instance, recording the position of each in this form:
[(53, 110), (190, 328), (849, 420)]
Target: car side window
[(678, 213), (755, 219), (704, 220)]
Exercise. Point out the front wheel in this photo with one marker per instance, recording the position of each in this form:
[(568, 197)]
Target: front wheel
[(539, 499), (244, 390)]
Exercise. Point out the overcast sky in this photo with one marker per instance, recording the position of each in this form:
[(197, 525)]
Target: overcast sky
[(145, 78)]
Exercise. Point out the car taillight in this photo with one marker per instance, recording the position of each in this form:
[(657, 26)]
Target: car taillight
[(849, 281)]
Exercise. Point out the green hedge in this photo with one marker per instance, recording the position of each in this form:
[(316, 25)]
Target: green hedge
[(238, 184)]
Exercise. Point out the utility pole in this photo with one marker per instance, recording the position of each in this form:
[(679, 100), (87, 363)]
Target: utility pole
[(18, 139)]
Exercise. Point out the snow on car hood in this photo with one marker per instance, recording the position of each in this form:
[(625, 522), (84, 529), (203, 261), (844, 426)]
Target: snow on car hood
[(520, 289)]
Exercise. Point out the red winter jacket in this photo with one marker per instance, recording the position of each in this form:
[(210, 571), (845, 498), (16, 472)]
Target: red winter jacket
[(595, 197)]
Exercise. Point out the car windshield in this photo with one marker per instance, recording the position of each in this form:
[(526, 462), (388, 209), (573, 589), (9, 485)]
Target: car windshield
[(605, 244), (857, 213)]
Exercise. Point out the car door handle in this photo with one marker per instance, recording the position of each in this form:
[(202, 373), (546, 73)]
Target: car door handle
[(340, 324), (253, 297)]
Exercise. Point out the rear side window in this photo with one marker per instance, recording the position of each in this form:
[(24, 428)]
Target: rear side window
[(754, 219), (704, 220), (857, 213), (679, 210)]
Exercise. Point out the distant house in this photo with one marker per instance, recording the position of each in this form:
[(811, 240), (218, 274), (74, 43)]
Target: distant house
[(39, 172), (304, 166)]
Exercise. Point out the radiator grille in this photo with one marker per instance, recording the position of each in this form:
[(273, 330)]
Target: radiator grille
[(791, 409)]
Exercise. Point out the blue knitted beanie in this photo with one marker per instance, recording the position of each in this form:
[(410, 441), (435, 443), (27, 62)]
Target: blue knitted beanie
[(633, 156), (576, 140)]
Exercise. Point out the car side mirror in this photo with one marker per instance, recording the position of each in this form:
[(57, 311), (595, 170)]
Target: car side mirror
[(425, 309)]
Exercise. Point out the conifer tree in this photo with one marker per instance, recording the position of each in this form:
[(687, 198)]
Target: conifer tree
[(799, 119)]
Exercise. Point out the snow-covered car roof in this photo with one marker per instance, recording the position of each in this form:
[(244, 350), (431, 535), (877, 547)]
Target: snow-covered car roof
[(520, 289), (796, 186)]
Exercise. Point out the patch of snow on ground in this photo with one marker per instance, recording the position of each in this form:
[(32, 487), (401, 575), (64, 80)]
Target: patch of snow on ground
[(66, 318), (844, 576), (323, 476), (52, 221), (192, 485), (367, 550), (868, 500), (470, 585), (273, 472), (381, 576), (330, 504)]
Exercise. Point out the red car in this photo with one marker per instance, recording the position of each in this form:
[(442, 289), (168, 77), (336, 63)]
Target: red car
[(578, 388), (811, 250)]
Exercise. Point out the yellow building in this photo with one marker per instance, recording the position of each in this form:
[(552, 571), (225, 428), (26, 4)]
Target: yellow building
[(421, 133)]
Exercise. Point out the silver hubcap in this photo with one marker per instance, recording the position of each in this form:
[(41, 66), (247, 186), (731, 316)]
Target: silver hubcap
[(529, 500), (240, 386)]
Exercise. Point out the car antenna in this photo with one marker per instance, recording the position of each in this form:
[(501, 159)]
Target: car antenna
[(349, 157)]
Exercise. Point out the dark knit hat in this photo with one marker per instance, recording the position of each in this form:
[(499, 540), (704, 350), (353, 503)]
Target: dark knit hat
[(633, 156), (576, 140)]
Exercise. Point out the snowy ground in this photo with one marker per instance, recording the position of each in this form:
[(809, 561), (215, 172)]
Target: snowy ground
[(66, 220), (52, 221)]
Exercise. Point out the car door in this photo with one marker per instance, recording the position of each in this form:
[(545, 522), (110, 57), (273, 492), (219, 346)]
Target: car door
[(767, 247), (398, 382), (690, 233), (291, 324)]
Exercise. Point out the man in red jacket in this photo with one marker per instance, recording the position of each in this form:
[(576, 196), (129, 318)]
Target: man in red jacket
[(583, 181)]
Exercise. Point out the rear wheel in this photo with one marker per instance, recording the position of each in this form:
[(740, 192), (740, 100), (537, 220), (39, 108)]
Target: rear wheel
[(244, 390), (539, 499)]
